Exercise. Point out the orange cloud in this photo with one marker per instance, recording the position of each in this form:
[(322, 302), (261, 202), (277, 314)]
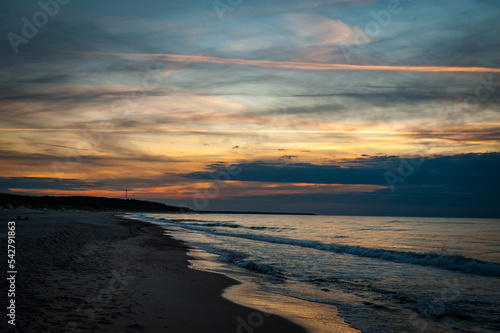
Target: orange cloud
[(232, 189), (96, 192), (290, 64)]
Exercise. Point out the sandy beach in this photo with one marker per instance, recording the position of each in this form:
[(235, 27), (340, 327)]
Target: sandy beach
[(95, 272)]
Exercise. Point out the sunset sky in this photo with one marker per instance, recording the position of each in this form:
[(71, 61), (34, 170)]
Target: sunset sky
[(335, 107)]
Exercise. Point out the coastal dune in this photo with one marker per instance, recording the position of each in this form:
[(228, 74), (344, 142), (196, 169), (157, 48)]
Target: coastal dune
[(82, 271)]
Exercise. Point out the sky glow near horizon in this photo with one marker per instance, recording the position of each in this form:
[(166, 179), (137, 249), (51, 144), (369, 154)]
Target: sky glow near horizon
[(160, 96)]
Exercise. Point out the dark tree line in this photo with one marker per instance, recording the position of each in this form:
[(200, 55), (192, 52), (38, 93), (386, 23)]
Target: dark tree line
[(88, 203)]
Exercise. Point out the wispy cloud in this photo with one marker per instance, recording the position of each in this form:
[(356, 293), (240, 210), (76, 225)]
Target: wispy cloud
[(272, 79), (320, 30), (290, 64)]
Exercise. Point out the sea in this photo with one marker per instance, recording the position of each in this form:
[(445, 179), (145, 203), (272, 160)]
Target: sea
[(383, 274)]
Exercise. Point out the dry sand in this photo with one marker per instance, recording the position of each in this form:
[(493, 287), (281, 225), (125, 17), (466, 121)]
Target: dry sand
[(93, 272)]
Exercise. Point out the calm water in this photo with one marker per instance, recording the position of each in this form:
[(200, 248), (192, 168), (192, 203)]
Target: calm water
[(385, 274)]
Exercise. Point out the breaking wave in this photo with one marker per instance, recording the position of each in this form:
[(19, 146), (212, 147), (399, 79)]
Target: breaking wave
[(455, 262)]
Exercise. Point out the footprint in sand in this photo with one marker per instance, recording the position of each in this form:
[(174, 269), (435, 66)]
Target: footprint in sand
[(138, 327)]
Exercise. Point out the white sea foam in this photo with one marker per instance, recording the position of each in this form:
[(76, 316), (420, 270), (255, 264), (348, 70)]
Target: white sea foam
[(443, 261), (385, 274)]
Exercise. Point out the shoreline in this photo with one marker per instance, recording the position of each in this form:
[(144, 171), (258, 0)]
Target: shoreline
[(314, 317), (89, 271)]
